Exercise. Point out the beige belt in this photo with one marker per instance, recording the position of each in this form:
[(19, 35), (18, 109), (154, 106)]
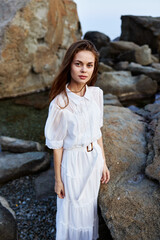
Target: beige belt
[(89, 147)]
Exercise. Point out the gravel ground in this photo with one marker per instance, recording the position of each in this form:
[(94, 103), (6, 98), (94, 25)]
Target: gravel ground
[(36, 218)]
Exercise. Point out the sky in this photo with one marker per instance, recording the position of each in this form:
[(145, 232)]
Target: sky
[(105, 15)]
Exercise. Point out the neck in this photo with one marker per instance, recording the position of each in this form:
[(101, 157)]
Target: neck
[(79, 89)]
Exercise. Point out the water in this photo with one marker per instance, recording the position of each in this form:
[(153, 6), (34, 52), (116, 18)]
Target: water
[(24, 122)]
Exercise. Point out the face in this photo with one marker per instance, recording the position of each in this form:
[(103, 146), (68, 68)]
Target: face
[(82, 67)]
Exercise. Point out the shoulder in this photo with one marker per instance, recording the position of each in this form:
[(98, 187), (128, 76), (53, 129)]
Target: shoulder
[(95, 90), (58, 102)]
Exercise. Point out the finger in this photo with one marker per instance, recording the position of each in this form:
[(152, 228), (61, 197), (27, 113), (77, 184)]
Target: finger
[(62, 193), (59, 195), (102, 175), (107, 178), (104, 179), (107, 181)]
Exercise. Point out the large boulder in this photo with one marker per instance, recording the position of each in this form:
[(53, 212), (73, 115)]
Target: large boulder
[(8, 10), (151, 72), (8, 225), (153, 161), (35, 35), (110, 99), (18, 145), (130, 201), (125, 86), (156, 65), (104, 68), (127, 51), (141, 30), (99, 39), (16, 165)]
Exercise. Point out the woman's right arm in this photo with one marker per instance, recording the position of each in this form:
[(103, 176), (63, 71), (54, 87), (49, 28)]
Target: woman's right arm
[(59, 187)]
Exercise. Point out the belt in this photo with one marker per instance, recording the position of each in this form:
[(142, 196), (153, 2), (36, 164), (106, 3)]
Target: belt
[(89, 147)]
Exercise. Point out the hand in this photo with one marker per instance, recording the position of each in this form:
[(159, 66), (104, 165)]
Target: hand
[(59, 189), (105, 174)]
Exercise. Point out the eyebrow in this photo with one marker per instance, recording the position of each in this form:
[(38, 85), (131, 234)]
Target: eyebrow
[(81, 61)]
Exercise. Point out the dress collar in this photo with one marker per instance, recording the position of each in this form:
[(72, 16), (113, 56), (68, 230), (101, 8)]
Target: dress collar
[(76, 98)]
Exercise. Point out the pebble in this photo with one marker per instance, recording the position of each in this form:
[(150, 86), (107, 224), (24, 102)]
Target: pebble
[(35, 218)]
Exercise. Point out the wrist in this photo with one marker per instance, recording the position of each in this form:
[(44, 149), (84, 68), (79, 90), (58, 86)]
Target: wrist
[(58, 180)]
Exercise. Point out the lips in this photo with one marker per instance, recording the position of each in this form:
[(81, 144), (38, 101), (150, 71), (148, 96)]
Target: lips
[(82, 77)]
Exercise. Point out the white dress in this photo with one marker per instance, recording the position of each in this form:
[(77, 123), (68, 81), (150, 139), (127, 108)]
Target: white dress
[(74, 128)]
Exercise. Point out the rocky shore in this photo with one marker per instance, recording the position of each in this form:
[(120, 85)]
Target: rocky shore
[(35, 217)]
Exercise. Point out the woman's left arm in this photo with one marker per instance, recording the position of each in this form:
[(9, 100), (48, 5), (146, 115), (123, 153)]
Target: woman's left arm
[(105, 174)]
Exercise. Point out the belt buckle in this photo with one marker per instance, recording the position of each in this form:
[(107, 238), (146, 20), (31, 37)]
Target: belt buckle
[(91, 147)]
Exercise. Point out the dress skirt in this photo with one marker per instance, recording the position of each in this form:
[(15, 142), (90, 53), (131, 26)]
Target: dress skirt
[(81, 172)]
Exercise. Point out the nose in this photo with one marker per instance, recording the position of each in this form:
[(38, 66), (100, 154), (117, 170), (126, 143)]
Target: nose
[(83, 68)]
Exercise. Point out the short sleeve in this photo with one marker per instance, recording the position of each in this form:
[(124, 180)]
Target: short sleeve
[(101, 106), (56, 126)]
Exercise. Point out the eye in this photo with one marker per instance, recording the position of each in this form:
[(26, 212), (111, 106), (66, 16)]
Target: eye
[(77, 64), (90, 65)]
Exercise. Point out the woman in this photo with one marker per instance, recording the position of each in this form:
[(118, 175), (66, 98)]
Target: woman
[(73, 131)]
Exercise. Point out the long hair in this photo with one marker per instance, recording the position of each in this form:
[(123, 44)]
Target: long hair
[(63, 77)]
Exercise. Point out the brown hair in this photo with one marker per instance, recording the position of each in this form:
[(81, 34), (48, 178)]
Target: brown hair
[(63, 77)]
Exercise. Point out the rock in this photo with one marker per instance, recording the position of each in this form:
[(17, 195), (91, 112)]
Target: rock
[(99, 39), (44, 184), (123, 65), (8, 10), (34, 42), (157, 98), (137, 69), (104, 68), (152, 71), (125, 86), (5, 204), (153, 162), (127, 51), (108, 54), (141, 56), (110, 99), (16, 165), (134, 109), (141, 30), (130, 201), (155, 59), (153, 170), (8, 225), (18, 145), (36, 100), (156, 66)]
